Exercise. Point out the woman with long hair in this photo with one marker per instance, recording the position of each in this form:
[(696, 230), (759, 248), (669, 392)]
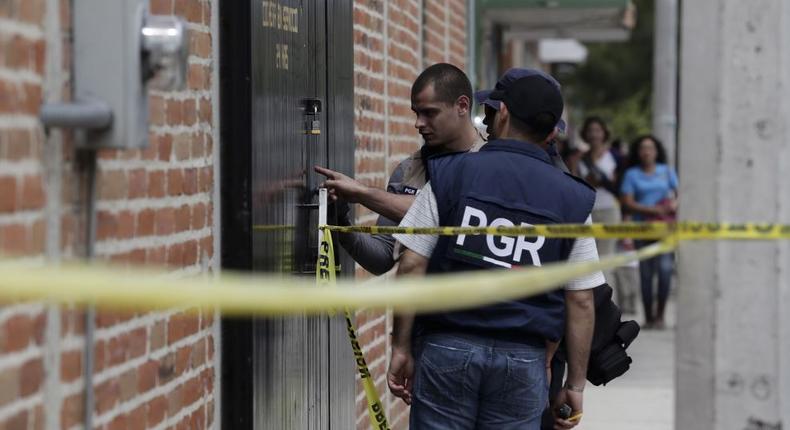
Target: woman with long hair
[(649, 193), (599, 167)]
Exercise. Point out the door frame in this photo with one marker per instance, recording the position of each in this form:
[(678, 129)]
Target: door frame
[(236, 152)]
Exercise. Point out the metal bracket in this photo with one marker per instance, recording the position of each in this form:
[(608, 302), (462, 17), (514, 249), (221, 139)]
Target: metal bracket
[(120, 51), (90, 115)]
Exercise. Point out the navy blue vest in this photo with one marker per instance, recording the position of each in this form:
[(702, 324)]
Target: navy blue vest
[(507, 183)]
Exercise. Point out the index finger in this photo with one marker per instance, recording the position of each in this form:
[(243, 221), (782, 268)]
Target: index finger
[(326, 172)]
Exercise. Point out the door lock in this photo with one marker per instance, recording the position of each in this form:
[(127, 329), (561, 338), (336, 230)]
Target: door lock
[(312, 111)]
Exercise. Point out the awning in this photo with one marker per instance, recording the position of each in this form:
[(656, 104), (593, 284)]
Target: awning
[(583, 20)]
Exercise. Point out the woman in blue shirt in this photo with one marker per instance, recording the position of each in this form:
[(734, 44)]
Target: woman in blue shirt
[(649, 193)]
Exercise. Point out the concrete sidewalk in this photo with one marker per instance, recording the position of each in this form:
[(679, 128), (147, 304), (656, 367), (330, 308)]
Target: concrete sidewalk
[(643, 398)]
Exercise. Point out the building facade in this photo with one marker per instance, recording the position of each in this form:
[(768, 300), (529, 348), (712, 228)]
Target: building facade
[(161, 206)]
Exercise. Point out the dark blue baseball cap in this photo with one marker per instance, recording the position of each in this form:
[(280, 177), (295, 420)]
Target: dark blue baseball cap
[(526, 92)]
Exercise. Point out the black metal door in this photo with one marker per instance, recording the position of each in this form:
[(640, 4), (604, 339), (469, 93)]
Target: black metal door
[(298, 81)]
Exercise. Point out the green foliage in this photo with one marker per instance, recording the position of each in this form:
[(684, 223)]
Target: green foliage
[(616, 81)]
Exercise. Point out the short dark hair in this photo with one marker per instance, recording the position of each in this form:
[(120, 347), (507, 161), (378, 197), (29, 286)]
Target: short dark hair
[(633, 150), (449, 83), (589, 121), (537, 127)]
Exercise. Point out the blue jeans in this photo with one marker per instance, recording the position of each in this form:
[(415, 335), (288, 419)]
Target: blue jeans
[(471, 382), (661, 265)]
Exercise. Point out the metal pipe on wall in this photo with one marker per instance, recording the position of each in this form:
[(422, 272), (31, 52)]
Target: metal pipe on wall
[(89, 164)]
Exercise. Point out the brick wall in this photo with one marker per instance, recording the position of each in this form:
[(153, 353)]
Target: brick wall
[(154, 206), (393, 41)]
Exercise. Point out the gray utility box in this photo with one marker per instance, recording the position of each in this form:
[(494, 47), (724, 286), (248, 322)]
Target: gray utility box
[(119, 52)]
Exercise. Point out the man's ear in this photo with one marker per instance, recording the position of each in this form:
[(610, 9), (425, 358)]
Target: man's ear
[(553, 135), (464, 105), (503, 114)]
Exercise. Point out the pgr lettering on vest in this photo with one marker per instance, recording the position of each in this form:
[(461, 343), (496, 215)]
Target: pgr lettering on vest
[(502, 246)]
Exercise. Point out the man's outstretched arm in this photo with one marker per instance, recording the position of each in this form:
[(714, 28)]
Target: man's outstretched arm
[(389, 205)]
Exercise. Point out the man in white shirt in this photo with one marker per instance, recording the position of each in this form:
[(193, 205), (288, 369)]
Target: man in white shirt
[(485, 367)]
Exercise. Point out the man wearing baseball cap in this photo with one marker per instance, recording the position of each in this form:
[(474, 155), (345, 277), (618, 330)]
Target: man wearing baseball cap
[(484, 368)]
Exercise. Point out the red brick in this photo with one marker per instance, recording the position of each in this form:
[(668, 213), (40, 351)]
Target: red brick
[(117, 350), (207, 246), (156, 184), (17, 422), (71, 411), (206, 111), (39, 326), (112, 184), (106, 225), (210, 348), (192, 391), (198, 77), (190, 181), (158, 336), (71, 365), (182, 145), (183, 218), (32, 193), (167, 368), (107, 395), (198, 216), (99, 356), (9, 386), (165, 147), (175, 182), (137, 418), (8, 194), (173, 112), (121, 422), (175, 255), (31, 11), (165, 221), (189, 113), (198, 419), (126, 225), (162, 7), (198, 146), (157, 256), (184, 359), (106, 319), (38, 237), (190, 253), (19, 145), (146, 376), (138, 342), (156, 110), (200, 44), (127, 385), (145, 222), (17, 333), (156, 410), (31, 377), (175, 400), (138, 183)]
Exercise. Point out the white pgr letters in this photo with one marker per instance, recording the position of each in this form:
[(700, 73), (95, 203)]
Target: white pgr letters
[(522, 244), (470, 212), (507, 250), (502, 246)]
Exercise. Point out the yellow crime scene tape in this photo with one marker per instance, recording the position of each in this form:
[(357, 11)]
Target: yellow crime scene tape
[(656, 230), (325, 275), (236, 294), (670, 233)]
